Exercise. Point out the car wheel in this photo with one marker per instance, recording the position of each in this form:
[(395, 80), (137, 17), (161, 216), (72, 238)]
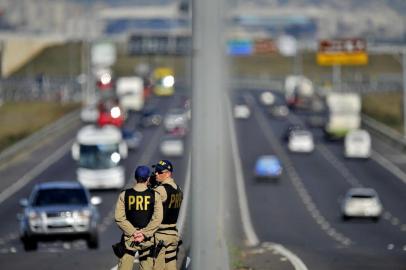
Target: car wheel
[(92, 241), (29, 244), (375, 219), (345, 217)]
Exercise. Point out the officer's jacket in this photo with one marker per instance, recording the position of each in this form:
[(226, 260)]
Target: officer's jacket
[(171, 202), (124, 222)]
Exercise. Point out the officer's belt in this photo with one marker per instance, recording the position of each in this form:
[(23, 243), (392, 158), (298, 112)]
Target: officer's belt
[(172, 228)]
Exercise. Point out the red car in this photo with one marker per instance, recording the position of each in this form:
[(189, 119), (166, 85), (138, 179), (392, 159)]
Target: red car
[(110, 113)]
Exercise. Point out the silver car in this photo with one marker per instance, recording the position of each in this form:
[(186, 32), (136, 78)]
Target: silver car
[(361, 202), (59, 210)]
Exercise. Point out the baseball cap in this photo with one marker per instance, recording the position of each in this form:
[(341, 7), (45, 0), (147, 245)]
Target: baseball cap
[(142, 172), (163, 165)]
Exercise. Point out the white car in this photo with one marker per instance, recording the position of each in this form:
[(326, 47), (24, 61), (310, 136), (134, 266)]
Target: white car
[(279, 111), (241, 111), (267, 98), (175, 118), (357, 144), (171, 146), (361, 202), (301, 141)]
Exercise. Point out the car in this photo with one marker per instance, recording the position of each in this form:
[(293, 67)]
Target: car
[(176, 117), (301, 141), (267, 98), (179, 132), (132, 138), (361, 202), (149, 118), (268, 166), (110, 113), (357, 144), (290, 129), (171, 146), (242, 111), (278, 111), (59, 210)]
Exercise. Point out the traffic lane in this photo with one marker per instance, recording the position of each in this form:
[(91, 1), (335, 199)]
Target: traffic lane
[(63, 169), (277, 213), (391, 190), (367, 173), (317, 261), (327, 186)]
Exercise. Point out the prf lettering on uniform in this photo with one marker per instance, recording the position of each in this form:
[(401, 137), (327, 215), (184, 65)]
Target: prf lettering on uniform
[(176, 200), (138, 202)]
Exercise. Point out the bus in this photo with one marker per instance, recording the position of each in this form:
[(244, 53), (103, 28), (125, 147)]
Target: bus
[(99, 152)]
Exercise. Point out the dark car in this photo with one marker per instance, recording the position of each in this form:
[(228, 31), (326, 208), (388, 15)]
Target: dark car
[(149, 118), (59, 210), (291, 129)]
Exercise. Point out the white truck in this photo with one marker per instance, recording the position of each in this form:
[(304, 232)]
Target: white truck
[(99, 153), (344, 114), (299, 91), (130, 91)]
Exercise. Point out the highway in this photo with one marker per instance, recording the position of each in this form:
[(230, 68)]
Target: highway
[(65, 255), (302, 209)]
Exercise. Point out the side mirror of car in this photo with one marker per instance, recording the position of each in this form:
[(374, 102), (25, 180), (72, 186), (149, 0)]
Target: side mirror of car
[(96, 200), (20, 216), (24, 202)]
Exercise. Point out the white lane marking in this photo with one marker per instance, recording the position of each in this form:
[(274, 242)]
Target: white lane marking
[(340, 167), (252, 238), (294, 260), (294, 177), (34, 172), (182, 213), (388, 165)]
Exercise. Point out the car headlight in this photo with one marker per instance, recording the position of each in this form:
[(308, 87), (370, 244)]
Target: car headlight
[(84, 214), (34, 217), (115, 112)]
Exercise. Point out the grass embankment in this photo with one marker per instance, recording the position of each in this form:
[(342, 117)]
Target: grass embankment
[(385, 107), (19, 120)]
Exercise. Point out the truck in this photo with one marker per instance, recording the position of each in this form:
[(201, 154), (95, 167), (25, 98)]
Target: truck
[(99, 153), (344, 114), (299, 92), (130, 91)]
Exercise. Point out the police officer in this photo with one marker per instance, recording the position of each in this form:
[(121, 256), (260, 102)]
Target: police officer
[(138, 213), (167, 234)]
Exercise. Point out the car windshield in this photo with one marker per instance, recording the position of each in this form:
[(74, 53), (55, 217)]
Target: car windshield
[(59, 196), (362, 196), (102, 156)]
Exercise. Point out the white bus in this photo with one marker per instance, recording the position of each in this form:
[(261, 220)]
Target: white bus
[(99, 153)]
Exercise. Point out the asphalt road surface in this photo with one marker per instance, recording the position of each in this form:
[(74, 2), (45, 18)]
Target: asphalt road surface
[(302, 209), (75, 255)]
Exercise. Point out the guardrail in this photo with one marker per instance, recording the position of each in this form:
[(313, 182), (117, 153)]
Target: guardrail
[(55, 128), (383, 131)]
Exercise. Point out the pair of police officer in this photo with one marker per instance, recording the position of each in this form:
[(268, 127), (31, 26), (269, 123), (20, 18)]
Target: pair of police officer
[(147, 216)]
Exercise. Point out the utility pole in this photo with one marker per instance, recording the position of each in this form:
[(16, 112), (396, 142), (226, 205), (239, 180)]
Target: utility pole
[(209, 250)]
